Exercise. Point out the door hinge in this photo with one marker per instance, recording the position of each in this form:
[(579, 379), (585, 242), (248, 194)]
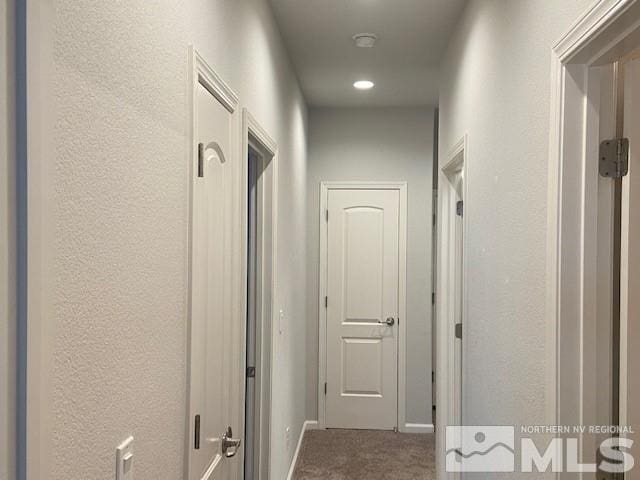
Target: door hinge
[(433, 298), (458, 330), (326, 215), (196, 440), (459, 208), (433, 377), (434, 219), (325, 388), (614, 158), (251, 372), (201, 160), (326, 302)]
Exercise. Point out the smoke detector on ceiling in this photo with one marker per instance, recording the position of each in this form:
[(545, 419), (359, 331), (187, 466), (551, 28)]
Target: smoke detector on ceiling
[(365, 40)]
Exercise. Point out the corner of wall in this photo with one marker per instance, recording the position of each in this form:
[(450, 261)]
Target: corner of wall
[(7, 244)]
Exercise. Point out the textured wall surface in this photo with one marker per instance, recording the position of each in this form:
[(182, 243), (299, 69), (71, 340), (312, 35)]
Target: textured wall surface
[(378, 144), (496, 88), (118, 207), (7, 244)]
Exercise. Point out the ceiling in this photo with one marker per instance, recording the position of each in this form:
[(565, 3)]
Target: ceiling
[(404, 64)]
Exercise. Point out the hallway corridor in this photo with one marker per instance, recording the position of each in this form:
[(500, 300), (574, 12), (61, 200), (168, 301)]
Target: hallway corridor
[(365, 454), (270, 239)]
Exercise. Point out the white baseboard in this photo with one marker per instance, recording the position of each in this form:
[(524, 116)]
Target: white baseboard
[(308, 425), (418, 428)]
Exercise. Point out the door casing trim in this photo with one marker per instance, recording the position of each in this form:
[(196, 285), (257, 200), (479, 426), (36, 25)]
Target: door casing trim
[(456, 164), (401, 187), (254, 132), (595, 39)]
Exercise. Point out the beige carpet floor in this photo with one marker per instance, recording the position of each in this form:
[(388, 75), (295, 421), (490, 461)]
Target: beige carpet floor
[(365, 455)]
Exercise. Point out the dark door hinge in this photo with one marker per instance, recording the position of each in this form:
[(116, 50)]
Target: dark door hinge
[(326, 215), (196, 440), (326, 302), (458, 330), (325, 388), (251, 372), (460, 208), (433, 298), (614, 158), (201, 160)]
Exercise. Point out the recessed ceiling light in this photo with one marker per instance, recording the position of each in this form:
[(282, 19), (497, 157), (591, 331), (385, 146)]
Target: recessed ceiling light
[(363, 84), (365, 40)]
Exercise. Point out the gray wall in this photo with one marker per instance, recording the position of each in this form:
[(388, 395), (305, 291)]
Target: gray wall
[(378, 144), (496, 88), (7, 245), (116, 204)]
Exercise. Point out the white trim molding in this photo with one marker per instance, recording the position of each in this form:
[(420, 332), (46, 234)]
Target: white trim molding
[(308, 425), (451, 176), (418, 428), (597, 38), (402, 289), (203, 73), (254, 134)]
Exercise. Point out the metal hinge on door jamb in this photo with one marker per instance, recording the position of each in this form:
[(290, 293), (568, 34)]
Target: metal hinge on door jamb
[(326, 302), (614, 158)]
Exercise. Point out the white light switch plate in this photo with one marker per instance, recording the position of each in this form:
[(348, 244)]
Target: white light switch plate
[(124, 460)]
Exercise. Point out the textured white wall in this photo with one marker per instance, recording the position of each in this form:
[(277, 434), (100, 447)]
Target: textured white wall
[(378, 144), (114, 298), (7, 244), (496, 88)]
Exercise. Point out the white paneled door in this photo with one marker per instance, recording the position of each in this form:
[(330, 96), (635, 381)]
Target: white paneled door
[(363, 304), (210, 384)]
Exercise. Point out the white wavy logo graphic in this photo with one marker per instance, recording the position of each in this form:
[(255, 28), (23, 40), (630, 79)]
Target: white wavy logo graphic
[(480, 449)]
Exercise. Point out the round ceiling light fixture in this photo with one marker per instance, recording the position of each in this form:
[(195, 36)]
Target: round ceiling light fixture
[(365, 40), (364, 84)]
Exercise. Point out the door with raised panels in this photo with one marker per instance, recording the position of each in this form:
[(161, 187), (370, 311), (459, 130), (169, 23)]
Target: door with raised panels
[(210, 366), (362, 308)]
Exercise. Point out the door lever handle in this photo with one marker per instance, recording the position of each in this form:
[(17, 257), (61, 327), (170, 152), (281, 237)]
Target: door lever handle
[(390, 322), (230, 445)]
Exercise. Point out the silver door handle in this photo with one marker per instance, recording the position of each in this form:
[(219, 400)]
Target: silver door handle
[(390, 322), (230, 445)]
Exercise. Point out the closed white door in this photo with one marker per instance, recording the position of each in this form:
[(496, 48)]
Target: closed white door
[(630, 265), (362, 308), (210, 329)]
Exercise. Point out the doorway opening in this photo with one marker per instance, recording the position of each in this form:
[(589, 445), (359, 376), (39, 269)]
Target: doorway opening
[(259, 200), (450, 302), (594, 231)]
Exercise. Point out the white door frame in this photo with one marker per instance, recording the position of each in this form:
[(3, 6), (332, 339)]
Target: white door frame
[(253, 133), (201, 73), (597, 38), (401, 187), (447, 292)]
